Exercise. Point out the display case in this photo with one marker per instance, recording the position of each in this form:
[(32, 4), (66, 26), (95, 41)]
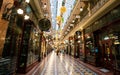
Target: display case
[(90, 49), (33, 51), (29, 51), (77, 44)]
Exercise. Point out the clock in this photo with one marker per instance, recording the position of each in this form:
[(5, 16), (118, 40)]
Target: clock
[(44, 24)]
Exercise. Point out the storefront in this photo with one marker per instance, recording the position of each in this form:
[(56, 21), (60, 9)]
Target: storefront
[(71, 45), (33, 52), (29, 50), (109, 40), (90, 52), (109, 44), (103, 41), (78, 51), (69, 49)]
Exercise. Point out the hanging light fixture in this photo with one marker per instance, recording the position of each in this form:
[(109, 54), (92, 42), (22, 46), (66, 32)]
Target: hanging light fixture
[(28, 1), (73, 21), (79, 36), (71, 24), (63, 9), (45, 5), (77, 16), (79, 41), (68, 27), (26, 17), (68, 30), (81, 8), (20, 11)]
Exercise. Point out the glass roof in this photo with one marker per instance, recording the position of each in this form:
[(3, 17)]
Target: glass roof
[(54, 4), (55, 10), (69, 5)]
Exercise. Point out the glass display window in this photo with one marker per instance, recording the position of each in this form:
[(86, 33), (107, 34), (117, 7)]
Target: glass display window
[(33, 50), (90, 45), (90, 49)]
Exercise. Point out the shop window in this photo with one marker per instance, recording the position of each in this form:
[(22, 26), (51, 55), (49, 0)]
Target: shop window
[(33, 51), (117, 49), (90, 49), (113, 33)]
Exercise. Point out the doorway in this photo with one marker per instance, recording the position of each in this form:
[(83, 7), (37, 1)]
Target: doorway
[(107, 56)]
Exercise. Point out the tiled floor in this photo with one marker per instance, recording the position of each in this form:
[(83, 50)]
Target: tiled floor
[(64, 65)]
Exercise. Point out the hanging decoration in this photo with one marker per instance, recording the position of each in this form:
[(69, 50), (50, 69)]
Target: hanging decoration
[(63, 9), (62, 19), (58, 18)]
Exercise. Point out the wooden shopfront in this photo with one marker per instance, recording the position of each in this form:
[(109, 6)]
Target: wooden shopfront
[(71, 45), (78, 45), (90, 49), (105, 40), (28, 54), (109, 46)]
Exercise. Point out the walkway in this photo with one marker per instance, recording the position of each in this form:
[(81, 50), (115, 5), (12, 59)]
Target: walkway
[(64, 65)]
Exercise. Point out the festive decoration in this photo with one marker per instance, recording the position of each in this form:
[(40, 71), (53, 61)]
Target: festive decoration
[(63, 9), (59, 18), (62, 19)]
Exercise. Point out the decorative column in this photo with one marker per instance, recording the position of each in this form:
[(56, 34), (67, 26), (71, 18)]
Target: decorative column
[(84, 47), (77, 44)]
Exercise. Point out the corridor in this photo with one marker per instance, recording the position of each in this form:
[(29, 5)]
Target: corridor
[(59, 37), (64, 65)]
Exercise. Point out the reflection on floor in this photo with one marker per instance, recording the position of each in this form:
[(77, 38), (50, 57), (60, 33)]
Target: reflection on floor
[(64, 65)]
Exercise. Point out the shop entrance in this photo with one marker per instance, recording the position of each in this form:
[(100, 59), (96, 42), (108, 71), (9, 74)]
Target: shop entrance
[(106, 46)]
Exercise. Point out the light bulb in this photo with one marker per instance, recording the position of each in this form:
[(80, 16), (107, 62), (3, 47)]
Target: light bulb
[(45, 5), (26, 17), (73, 21), (27, 1), (77, 16), (20, 11), (81, 9)]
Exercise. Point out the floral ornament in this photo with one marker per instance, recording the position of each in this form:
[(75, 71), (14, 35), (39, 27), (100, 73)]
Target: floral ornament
[(63, 9), (58, 18)]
